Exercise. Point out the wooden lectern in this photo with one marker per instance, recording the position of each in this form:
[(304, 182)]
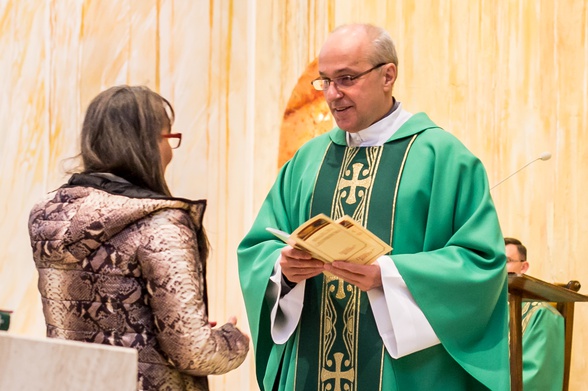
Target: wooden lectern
[(529, 288)]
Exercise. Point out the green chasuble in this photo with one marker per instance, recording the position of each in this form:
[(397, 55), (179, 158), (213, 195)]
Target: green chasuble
[(425, 194), (4, 320), (543, 347)]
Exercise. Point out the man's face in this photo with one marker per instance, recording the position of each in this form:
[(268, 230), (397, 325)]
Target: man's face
[(358, 106), (514, 261)]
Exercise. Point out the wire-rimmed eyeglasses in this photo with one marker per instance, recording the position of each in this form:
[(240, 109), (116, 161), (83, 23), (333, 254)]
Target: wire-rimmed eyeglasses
[(174, 139), (323, 83)]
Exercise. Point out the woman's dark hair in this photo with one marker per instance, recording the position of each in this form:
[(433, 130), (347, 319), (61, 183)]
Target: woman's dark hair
[(121, 134)]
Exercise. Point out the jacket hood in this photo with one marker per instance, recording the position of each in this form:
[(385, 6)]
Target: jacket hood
[(76, 219)]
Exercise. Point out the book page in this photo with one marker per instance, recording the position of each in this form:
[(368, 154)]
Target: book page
[(328, 240), (285, 237), (375, 247)]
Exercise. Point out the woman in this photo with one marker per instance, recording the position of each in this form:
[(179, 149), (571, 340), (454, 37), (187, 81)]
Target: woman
[(120, 261)]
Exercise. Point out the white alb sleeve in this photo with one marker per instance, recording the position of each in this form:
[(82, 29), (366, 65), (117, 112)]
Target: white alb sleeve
[(401, 323), (286, 309)]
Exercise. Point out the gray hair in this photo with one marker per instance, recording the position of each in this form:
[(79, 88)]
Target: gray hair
[(383, 49)]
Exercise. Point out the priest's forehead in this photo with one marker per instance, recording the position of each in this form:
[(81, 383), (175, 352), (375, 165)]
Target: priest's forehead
[(343, 52)]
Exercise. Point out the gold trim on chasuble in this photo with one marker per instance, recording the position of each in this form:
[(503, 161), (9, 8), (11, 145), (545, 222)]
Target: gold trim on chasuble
[(338, 354), (354, 188)]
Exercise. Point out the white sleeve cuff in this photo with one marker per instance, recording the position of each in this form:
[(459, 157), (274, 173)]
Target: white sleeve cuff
[(286, 310), (408, 331)]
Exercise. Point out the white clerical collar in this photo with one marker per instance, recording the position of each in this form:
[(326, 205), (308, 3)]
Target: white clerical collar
[(380, 132)]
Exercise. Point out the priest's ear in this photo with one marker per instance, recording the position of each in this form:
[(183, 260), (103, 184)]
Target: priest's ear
[(390, 73)]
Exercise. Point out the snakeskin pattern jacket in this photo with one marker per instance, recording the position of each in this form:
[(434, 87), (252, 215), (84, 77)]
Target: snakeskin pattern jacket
[(121, 265)]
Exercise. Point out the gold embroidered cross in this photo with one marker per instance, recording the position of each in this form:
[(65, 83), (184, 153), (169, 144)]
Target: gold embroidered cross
[(337, 375), (340, 292), (354, 183)]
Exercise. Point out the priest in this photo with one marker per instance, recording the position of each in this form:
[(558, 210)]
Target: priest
[(543, 330), (431, 314)]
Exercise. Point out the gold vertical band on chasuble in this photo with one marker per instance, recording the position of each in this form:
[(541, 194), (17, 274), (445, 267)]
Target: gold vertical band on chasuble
[(398, 186)]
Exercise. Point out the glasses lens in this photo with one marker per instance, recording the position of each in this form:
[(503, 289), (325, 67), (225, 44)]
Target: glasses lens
[(345, 81), (174, 140), (320, 84)]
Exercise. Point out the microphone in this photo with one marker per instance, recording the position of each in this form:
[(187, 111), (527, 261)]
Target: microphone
[(544, 156)]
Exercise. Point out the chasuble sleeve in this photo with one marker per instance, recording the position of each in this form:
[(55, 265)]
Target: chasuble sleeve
[(449, 249), (286, 207)]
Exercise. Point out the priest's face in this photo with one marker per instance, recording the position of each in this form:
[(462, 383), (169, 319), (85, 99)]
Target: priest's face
[(357, 103), (514, 261)]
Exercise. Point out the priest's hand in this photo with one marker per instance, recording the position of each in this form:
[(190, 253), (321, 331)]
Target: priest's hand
[(298, 265), (365, 277)]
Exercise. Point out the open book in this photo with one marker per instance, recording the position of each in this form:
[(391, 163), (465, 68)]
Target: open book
[(342, 240)]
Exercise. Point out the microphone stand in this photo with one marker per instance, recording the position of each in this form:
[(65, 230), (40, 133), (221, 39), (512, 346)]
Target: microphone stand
[(544, 156)]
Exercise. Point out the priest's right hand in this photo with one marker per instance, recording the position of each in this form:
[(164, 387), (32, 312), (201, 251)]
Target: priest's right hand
[(298, 265)]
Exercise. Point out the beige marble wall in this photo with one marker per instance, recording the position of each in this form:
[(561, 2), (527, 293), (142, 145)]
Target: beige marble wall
[(509, 78)]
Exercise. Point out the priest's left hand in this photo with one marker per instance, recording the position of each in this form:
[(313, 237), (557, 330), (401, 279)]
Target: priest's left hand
[(365, 277)]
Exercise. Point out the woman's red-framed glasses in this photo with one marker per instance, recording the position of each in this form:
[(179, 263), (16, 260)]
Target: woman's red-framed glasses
[(174, 139)]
